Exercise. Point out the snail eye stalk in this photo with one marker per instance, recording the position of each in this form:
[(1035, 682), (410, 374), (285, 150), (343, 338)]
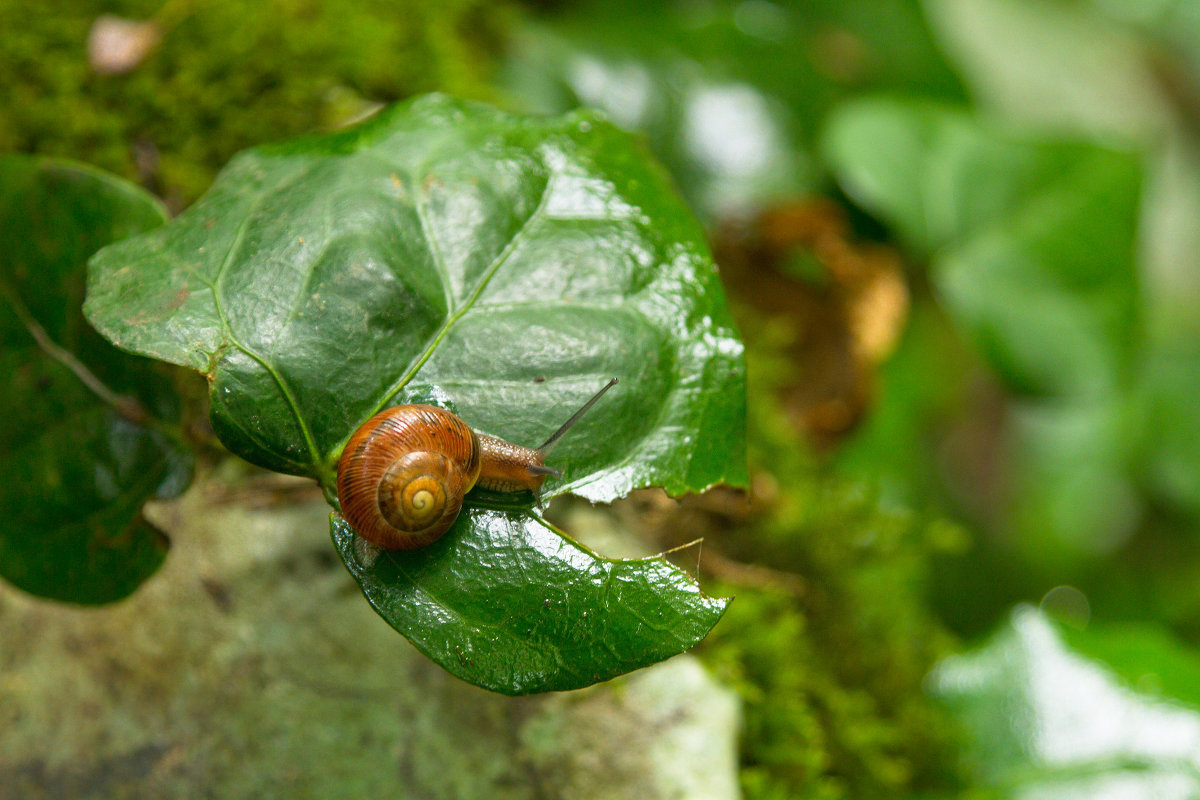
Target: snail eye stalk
[(566, 426)]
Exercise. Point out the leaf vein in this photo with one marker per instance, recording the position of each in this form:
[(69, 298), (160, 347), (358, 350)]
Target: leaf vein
[(216, 288), (500, 259)]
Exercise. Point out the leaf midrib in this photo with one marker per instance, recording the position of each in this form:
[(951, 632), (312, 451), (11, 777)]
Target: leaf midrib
[(497, 262), (285, 390)]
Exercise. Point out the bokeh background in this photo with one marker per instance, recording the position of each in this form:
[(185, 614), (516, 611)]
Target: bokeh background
[(962, 240)]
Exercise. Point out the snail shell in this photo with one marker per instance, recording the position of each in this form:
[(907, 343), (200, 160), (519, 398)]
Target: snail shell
[(403, 474)]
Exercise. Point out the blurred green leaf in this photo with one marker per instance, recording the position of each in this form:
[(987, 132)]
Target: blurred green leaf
[(1172, 29), (1144, 656), (731, 94), (1056, 65), (1072, 479), (1030, 246), (1083, 68), (516, 263), (1031, 242), (1107, 69), (1049, 720), (75, 468), (1167, 418)]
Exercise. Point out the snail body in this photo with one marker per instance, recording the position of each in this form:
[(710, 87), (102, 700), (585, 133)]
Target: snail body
[(403, 474)]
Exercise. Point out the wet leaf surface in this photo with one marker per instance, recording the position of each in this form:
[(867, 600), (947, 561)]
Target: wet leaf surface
[(513, 263), (506, 602)]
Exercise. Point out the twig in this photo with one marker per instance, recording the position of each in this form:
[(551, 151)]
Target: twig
[(753, 576), (127, 407)]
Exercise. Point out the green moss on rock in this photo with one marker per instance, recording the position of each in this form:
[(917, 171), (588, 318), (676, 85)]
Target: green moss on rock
[(227, 75), (831, 672)]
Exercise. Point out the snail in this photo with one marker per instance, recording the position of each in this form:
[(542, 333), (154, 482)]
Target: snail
[(402, 475)]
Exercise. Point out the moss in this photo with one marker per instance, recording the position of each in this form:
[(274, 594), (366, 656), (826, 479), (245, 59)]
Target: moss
[(832, 673), (227, 75)]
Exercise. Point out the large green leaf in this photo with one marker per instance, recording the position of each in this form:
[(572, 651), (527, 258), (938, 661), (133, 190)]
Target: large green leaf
[(75, 467), (515, 263), (1047, 718)]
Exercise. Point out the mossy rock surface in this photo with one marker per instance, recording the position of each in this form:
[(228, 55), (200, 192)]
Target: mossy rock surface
[(225, 76), (250, 666)]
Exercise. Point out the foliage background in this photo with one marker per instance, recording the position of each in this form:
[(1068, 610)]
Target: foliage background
[(960, 239)]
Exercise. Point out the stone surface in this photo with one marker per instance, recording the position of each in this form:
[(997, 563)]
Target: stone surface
[(251, 666)]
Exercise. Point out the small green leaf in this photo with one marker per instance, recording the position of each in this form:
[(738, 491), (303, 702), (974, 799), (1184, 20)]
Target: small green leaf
[(515, 264), (507, 603), (1046, 720), (80, 451)]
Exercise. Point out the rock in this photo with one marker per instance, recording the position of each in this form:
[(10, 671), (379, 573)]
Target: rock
[(251, 666)]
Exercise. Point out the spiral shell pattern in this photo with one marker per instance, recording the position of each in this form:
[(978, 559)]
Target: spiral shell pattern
[(403, 474)]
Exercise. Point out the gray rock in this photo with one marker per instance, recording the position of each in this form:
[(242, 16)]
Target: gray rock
[(251, 666)]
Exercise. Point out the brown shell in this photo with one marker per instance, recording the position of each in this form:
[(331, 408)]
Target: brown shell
[(403, 474)]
